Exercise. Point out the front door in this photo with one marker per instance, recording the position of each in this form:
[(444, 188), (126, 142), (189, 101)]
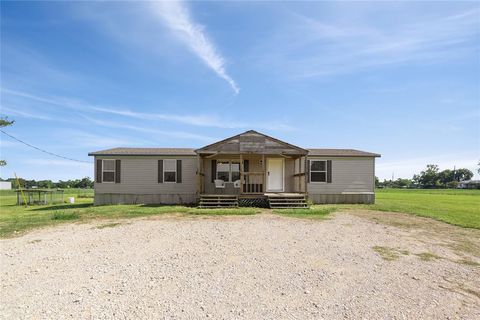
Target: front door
[(275, 174)]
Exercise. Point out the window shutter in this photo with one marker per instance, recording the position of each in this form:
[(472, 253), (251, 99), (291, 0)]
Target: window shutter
[(246, 166), (307, 171), (214, 170), (160, 171), (329, 171), (99, 171), (117, 171), (179, 171)]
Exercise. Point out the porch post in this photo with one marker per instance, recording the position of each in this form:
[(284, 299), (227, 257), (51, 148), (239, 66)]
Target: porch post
[(305, 174), (241, 173), (264, 174), (199, 176)]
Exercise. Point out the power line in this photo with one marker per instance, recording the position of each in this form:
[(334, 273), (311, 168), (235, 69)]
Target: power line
[(44, 151)]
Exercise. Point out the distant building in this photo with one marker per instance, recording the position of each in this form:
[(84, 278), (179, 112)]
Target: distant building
[(469, 184), (5, 185)]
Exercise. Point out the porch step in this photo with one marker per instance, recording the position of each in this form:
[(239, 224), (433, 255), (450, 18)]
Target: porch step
[(218, 201), (288, 201)]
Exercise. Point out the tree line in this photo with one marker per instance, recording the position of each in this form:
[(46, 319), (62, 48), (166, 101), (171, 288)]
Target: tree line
[(430, 178), (49, 184)]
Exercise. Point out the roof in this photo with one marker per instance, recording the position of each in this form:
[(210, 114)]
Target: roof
[(341, 153), (470, 182), (251, 141), (145, 152)]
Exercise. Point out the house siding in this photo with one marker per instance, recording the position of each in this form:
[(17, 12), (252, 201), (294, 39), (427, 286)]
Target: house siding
[(139, 182), (352, 181)]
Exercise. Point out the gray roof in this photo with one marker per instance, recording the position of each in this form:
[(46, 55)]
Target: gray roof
[(145, 152), (340, 153), (191, 152)]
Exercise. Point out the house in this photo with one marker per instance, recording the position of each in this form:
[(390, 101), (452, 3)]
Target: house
[(5, 185), (250, 168), (469, 184)]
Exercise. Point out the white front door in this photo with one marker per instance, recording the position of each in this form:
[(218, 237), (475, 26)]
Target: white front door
[(275, 174)]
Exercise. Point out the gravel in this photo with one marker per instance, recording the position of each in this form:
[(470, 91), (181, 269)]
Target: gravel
[(252, 267)]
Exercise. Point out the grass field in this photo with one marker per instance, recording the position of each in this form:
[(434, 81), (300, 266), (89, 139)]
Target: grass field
[(458, 207), (17, 219)]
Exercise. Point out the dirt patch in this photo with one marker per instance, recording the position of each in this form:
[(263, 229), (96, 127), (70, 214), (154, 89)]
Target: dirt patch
[(249, 267)]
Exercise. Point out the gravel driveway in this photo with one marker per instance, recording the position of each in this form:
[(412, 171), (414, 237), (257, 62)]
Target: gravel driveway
[(353, 265)]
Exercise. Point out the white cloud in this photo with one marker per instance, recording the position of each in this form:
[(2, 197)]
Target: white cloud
[(173, 134), (63, 163), (177, 17), (22, 113), (205, 120), (311, 47)]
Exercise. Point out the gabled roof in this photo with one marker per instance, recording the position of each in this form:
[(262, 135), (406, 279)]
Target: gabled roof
[(341, 153), (249, 141), (145, 152), (252, 141)]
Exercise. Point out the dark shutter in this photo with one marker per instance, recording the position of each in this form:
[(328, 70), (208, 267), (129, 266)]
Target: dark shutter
[(117, 171), (246, 166), (179, 171), (307, 171), (329, 171), (214, 170), (99, 171), (160, 171)]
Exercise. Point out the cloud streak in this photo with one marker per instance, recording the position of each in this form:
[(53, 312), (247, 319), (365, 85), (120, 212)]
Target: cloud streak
[(173, 134), (316, 47), (177, 18), (205, 120)]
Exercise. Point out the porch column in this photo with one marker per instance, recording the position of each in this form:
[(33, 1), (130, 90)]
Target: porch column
[(305, 171), (264, 188), (241, 173)]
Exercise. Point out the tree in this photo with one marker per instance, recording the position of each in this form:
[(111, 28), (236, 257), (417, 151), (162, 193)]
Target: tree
[(478, 164), (445, 177), (429, 177), (4, 122), (377, 182), (463, 174), (402, 183)]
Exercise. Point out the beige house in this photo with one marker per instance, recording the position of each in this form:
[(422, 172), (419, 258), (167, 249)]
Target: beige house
[(247, 169)]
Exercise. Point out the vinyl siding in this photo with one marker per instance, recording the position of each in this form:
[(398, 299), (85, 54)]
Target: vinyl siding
[(349, 176), (139, 175)]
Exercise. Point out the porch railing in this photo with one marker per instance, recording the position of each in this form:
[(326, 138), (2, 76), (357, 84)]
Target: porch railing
[(253, 182)]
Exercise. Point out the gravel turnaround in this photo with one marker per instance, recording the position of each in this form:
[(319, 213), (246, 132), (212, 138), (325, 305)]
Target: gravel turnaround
[(252, 267)]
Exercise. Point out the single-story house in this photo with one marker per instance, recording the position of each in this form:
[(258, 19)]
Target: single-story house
[(469, 184), (250, 168)]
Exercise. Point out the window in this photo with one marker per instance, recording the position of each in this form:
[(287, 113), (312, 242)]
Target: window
[(235, 171), (318, 171), (108, 171), (170, 170), (228, 171)]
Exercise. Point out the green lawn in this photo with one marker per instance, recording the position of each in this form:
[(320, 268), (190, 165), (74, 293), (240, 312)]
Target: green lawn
[(459, 207), (17, 219)]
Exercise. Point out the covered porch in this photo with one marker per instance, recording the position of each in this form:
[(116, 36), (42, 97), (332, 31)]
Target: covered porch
[(251, 165), (250, 174)]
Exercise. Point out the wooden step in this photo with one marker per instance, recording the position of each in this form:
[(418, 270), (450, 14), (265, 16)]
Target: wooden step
[(287, 201), (217, 201)]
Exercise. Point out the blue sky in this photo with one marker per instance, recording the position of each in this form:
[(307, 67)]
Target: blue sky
[(398, 78)]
